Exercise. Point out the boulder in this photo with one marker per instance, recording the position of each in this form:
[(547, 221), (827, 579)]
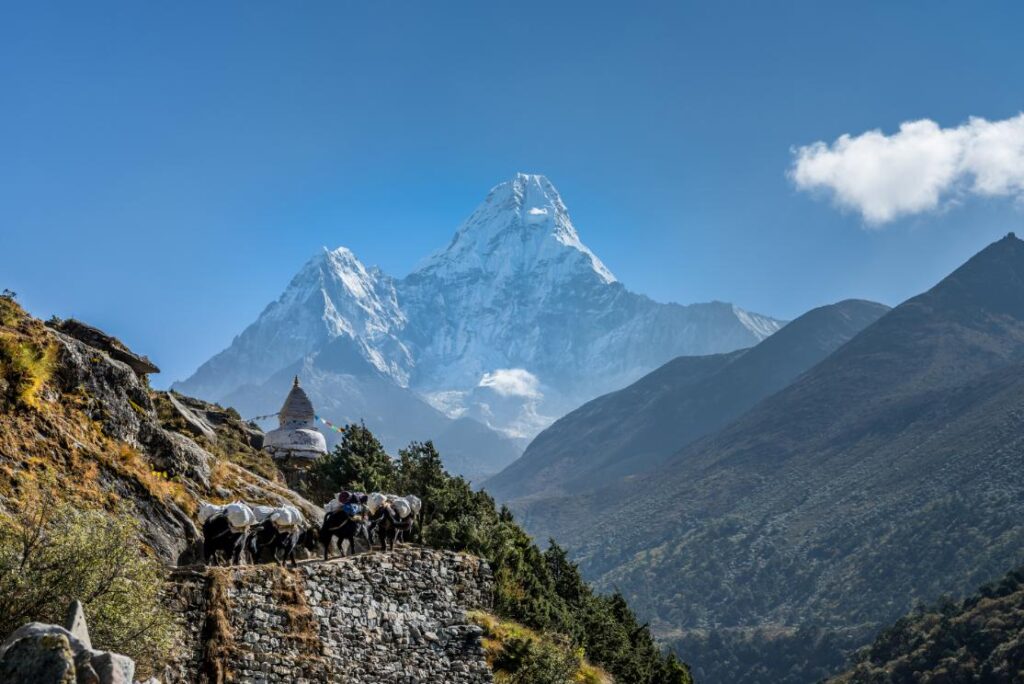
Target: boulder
[(43, 658), (176, 454), (113, 347), (114, 394), (49, 654), (114, 668), (194, 422)]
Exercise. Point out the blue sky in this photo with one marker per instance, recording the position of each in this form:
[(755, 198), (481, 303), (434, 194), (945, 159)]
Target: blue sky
[(165, 168)]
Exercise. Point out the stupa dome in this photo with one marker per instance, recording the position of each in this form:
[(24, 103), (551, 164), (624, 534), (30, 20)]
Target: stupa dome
[(296, 436)]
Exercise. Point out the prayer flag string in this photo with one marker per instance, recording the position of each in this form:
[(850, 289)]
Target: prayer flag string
[(336, 428)]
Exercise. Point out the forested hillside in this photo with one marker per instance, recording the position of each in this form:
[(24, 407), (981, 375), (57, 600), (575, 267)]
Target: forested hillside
[(979, 639), (542, 590), (888, 474)]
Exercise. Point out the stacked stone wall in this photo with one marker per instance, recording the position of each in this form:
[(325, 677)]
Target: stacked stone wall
[(374, 618)]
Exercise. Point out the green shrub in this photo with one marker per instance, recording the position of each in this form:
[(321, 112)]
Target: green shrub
[(53, 553), (529, 661), (24, 368), (358, 463)]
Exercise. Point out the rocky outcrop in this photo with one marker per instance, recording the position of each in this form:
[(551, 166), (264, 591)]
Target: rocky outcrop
[(195, 423), (96, 338), (110, 393), (396, 617), (50, 654)]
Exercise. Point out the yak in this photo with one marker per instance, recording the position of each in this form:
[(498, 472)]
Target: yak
[(266, 542), (222, 542), (346, 524), (390, 527)]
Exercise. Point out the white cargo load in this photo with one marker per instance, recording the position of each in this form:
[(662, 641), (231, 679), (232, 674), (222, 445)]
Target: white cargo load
[(402, 508), (262, 513), (375, 501), (208, 511), (415, 502), (240, 515), (286, 517)]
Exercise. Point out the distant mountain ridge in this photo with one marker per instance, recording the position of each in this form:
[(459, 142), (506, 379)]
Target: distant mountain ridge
[(636, 428), (514, 323), (887, 474)]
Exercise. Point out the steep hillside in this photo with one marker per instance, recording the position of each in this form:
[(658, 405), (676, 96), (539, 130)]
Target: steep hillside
[(513, 324), (980, 639), (889, 473), (123, 469), (86, 425), (635, 429)]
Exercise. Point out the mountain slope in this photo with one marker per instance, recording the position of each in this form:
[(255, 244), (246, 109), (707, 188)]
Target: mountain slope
[(981, 639), (513, 324), (632, 430), (334, 295), (888, 473)]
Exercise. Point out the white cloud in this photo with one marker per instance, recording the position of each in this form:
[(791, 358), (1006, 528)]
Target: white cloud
[(916, 169), (512, 382)]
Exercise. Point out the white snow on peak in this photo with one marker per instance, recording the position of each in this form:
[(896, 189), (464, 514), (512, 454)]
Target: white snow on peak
[(522, 226), (760, 326), (515, 289)]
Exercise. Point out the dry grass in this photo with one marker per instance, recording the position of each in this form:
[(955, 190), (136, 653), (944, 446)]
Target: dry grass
[(55, 441), (291, 600), (498, 632), (217, 637)]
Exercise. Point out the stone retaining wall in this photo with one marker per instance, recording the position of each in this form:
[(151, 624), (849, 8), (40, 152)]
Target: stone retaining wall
[(372, 618)]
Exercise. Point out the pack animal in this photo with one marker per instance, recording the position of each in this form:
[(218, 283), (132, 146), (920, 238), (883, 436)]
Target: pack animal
[(222, 543), (266, 542), (347, 524), (225, 529), (394, 519)]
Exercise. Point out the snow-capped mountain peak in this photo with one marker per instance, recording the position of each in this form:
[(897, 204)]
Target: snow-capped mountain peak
[(516, 301), (522, 226)]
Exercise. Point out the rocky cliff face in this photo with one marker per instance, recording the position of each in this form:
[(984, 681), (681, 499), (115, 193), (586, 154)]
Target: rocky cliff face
[(97, 431), (396, 617)]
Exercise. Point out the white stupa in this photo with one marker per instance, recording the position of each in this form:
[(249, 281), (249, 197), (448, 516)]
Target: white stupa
[(297, 436)]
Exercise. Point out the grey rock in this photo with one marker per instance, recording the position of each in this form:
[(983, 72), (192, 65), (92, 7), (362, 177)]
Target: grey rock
[(195, 423), (43, 658), (114, 668), (113, 392), (84, 672), (96, 338), (48, 648), (40, 629), (176, 454), (75, 623)]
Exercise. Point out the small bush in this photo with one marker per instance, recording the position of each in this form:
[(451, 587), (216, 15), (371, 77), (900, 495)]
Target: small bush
[(24, 368), (53, 553), (528, 661)]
